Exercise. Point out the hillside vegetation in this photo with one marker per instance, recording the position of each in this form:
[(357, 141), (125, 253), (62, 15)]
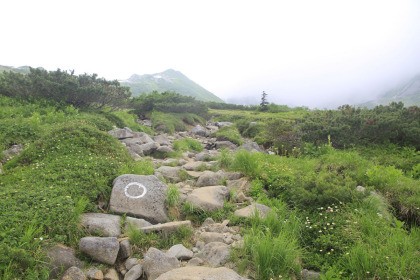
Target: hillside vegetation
[(343, 185)]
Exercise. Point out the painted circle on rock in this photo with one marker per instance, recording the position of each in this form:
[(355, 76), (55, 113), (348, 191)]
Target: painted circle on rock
[(140, 186)]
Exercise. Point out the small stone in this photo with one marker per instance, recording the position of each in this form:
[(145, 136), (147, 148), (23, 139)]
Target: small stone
[(125, 249), (129, 263), (134, 273), (195, 262), (94, 273), (102, 249), (73, 273), (180, 252), (111, 274)]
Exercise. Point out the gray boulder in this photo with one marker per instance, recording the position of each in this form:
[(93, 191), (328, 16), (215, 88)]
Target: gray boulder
[(101, 249), (250, 210), (122, 133), (209, 198), (142, 196), (199, 130), (252, 147), (129, 263), (180, 252), (210, 178), (223, 124), (225, 144), (13, 151), (310, 275), (164, 149), (201, 273), (156, 262), (62, 258), (209, 237), (108, 225), (149, 148), (168, 172), (215, 253), (162, 139), (125, 249)]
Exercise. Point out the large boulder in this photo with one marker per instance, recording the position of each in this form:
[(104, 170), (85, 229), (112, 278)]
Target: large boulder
[(10, 153), (180, 252), (252, 209), (209, 198), (201, 273), (62, 258), (156, 262), (223, 124), (168, 172), (101, 249), (215, 253), (252, 147), (162, 139), (224, 144), (141, 196), (199, 130), (106, 224), (210, 178), (122, 133)]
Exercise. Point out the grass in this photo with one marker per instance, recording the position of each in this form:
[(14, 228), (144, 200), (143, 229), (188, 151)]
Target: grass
[(187, 144), (229, 133)]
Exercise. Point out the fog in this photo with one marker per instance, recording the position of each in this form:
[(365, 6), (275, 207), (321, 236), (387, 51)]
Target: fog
[(319, 54)]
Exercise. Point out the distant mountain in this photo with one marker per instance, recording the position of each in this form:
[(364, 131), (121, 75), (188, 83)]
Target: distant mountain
[(168, 80), (21, 69), (408, 93)]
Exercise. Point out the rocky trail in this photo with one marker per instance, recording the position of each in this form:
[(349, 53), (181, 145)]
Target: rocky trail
[(139, 201)]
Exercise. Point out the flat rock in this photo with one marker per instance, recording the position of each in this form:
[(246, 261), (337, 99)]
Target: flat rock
[(250, 210), (223, 124), (106, 224), (201, 273), (167, 227), (101, 249), (195, 174), (122, 133), (142, 196), (129, 263), (209, 237), (210, 198), (62, 258), (168, 172), (191, 166), (215, 253), (180, 252), (199, 130), (156, 262), (73, 273), (210, 178), (136, 223)]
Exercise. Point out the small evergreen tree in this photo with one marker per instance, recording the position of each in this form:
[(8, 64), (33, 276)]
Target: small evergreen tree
[(264, 102)]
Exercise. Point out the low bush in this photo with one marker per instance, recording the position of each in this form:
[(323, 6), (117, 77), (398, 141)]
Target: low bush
[(229, 133)]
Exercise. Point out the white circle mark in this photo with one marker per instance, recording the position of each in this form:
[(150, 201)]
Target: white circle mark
[(140, 186)]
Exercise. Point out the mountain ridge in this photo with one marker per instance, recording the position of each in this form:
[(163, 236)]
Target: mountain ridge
[(168, 80)]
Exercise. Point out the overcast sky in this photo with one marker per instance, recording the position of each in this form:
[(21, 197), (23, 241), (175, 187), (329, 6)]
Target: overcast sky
[(311, 53)]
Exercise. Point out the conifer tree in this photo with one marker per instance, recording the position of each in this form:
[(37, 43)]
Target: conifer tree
[(264, 102)]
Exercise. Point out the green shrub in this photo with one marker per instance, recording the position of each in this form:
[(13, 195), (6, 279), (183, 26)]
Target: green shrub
[(247, 163), (226, 158), (187, 144), (229, 133), (172, 196), (55, 179)]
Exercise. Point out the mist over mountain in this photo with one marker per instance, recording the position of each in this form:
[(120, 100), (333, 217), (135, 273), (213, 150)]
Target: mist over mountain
[(407, 92), (171, 80)]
